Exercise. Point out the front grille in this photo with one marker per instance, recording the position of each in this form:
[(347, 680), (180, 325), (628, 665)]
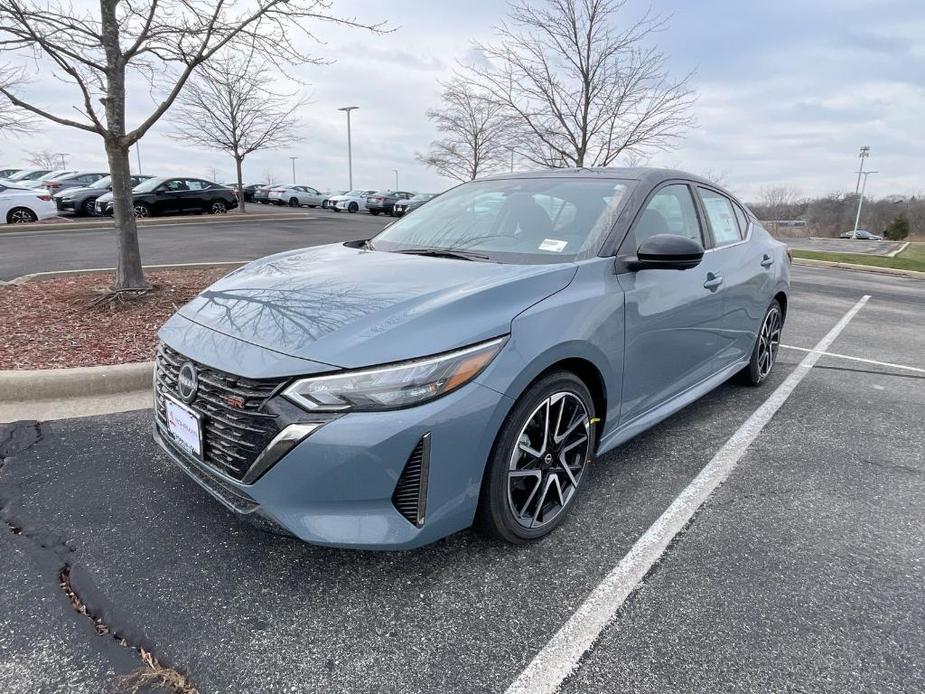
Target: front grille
[(235, 429), (410, 495)]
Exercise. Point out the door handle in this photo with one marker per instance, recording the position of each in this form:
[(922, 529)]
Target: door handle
[(767, 261), (713, 281)]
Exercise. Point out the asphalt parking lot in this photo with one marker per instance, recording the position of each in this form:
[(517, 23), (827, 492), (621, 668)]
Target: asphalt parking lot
[(845, 245), (804, 572), (37, 250)]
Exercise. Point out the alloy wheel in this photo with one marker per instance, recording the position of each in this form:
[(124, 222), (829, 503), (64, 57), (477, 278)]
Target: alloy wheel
[(219, 207), (141, 211), (549, 460), (90, 207), (769, 342), (21, 215)]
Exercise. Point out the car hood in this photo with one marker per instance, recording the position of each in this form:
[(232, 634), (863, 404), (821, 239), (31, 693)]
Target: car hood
[(79, 190), (350, 307)]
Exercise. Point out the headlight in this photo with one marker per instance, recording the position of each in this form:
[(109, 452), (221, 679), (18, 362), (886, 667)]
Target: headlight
[(396, 385)]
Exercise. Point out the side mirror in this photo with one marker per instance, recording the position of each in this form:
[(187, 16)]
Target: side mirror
[(667, 252)]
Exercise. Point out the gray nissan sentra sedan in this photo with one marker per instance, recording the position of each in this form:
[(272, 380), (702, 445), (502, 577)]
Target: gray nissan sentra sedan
[(467, 363)]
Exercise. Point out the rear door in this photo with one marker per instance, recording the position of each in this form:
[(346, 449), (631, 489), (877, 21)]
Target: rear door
[(673, 318), (194, 199), (746, 275)]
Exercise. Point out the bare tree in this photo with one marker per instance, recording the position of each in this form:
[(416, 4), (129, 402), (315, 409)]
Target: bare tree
[(163, 41), (581, 90), (473, 134), (780, 202), (228, 108), (44, 159), (13, 120)]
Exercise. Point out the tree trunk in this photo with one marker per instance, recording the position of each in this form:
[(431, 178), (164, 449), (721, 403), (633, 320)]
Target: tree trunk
[(237, 162), (129, 273)]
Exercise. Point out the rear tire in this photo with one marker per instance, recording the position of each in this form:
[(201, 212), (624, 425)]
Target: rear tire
[(294, 202), (767, 345), (218, 207), (141, 210), (374, 213), (526, 495), (353, 208), (88, 208)]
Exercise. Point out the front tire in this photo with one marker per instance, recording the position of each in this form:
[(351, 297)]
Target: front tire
[(88, 209), (353, 208), (21, 215), (767, 345), (539, 460), (294, 202)]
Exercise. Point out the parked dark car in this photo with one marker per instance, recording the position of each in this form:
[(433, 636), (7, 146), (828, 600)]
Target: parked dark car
[(161, 195), (403, 207), (385, 200), (78, 179), (82, 201), (248, 190)]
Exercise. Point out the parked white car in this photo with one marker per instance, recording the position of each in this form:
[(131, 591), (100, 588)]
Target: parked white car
[(352, 201), (295, 196), (39, 183), (22, 206)]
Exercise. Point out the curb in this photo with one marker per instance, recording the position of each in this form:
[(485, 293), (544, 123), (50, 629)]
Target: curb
[(914, 274), (893, 254), (107, 224), (52, 274), (30, 385)]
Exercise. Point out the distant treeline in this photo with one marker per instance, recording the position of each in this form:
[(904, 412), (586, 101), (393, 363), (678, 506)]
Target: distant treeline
[(833, 214)]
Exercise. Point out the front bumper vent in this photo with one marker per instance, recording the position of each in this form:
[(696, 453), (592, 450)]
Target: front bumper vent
[(410, 495)]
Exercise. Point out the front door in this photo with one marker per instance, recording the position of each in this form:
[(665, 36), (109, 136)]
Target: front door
[(673, 318)]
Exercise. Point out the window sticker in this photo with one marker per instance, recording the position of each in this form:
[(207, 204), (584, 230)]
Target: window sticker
[(554, 245)]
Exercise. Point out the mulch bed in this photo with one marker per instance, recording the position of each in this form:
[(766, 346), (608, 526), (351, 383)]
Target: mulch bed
[(61, 322)]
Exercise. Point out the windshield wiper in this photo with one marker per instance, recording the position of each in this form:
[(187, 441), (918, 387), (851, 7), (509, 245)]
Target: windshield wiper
[(444, 253)]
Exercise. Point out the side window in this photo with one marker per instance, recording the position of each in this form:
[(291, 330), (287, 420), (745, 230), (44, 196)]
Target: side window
[(670, 211), (742, 219), (722, 217), (195, 184), (175, 185)]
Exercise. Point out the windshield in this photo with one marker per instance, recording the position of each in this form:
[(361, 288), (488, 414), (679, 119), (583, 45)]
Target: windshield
[(149, 185), (524, 221), (54, 174), (103, 182)]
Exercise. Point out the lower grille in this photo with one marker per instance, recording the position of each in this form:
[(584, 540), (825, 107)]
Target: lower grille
[(410, 495), (235, 429)]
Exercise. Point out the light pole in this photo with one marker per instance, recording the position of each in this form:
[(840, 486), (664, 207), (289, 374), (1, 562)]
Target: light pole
[(865, 152), (396, 178), (62, 157), (348, 109), (292, 159), (138, 155), (857, 219)]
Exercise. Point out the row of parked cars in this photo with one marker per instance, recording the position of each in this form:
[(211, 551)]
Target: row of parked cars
[(391, 202), (29, 195)]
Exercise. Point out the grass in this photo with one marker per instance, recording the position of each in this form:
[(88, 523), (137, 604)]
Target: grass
[(913, 258)]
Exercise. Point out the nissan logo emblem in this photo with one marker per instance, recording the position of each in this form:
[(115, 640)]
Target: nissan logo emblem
[(187, 382)]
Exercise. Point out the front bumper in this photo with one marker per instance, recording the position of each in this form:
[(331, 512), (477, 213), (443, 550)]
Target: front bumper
[(338, 485)]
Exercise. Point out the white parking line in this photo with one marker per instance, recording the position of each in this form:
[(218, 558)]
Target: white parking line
[(860, 359), (560, 657)]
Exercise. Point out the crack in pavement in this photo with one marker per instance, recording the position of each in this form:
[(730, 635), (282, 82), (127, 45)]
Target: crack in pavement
[(76, 583)]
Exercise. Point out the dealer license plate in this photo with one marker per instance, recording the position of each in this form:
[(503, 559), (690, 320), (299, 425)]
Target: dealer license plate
[(185, 427)]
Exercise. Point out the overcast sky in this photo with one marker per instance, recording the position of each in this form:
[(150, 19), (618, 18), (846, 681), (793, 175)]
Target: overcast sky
[(788, 91)]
